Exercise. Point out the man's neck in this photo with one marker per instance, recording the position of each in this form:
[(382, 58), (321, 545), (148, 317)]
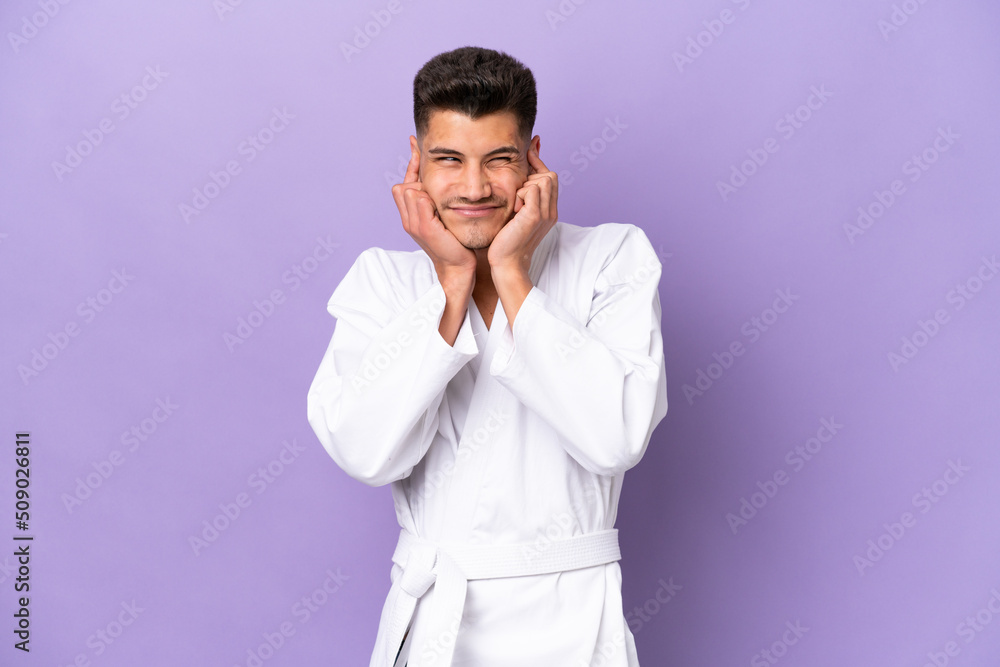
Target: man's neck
[(484, 293)]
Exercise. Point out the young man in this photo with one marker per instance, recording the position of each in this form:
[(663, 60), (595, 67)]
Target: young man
[(503, 378)]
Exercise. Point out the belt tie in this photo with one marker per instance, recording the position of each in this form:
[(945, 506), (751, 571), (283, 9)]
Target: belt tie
[(449, 568)]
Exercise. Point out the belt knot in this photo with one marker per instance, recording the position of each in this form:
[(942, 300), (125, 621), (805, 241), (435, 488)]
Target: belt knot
[(418, 573)]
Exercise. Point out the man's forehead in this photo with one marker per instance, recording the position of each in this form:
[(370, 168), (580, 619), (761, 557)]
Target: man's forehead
[(455, 131)]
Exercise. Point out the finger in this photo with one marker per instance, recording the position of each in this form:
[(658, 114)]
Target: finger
[(548, 186), (412, 223), (413, 168), (426, 212), (521, 199), (398, 193), (535, 162), (544, 197), (553, 195), (529, 193), (423, 216)]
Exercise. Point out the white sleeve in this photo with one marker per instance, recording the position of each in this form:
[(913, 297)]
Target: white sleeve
[(374, 400), (602, 385)]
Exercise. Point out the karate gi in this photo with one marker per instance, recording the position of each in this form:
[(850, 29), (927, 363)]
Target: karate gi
[(506, 452)]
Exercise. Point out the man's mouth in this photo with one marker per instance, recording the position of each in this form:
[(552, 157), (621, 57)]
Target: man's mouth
[(473, 211)]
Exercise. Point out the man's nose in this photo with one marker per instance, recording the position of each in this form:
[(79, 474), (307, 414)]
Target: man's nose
[(475, 184)]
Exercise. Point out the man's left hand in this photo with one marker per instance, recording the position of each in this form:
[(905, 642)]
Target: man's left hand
[(535, 214)]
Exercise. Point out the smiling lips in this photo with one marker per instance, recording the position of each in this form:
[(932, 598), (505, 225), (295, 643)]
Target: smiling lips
[(473, 211)]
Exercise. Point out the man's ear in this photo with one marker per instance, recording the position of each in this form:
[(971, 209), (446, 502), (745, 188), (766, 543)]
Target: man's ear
[(535, 143), (415, 150)]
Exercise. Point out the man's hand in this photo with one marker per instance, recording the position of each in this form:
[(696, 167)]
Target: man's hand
[(421, 221), (510, 253), (454, 263), (535, 209)]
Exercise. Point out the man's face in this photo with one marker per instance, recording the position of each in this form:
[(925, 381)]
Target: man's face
[(472, 169)]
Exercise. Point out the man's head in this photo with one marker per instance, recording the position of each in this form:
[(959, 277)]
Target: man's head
[(474, 110)]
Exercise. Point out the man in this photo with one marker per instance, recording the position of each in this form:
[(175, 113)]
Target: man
[(502, 379)]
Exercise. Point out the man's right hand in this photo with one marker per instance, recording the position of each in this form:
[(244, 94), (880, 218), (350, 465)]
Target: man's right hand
[(421, 221), (454, 263)]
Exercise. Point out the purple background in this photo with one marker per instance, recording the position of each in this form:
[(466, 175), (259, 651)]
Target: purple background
[(682, 126)]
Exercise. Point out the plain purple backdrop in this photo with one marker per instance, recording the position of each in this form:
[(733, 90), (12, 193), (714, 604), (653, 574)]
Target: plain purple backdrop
[(746, 135)]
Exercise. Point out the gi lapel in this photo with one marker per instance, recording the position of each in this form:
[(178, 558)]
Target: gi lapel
[(490, 409)]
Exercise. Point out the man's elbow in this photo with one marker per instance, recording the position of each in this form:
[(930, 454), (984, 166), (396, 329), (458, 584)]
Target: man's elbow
[(351, 453), (370, 476), (611, 454), (357, 461)]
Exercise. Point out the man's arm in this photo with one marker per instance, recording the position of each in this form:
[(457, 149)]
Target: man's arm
[(374, 400), (601, 385)]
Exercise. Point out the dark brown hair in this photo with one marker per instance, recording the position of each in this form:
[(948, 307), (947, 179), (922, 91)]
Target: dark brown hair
[(476, 82)]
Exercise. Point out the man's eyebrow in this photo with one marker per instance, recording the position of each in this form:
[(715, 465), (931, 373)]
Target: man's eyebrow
[(503, 150)]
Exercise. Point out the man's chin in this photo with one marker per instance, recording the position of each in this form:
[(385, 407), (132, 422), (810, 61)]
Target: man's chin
[(475, 234), (476, 238)]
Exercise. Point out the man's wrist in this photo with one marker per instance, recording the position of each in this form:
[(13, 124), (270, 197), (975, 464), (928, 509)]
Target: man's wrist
[(513, 286), (510, 276), (457, 282)]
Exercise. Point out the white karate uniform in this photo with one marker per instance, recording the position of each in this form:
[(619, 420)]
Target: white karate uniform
[(514, 439)]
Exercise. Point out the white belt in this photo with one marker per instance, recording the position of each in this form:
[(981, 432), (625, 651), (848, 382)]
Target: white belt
[(449, 568)]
